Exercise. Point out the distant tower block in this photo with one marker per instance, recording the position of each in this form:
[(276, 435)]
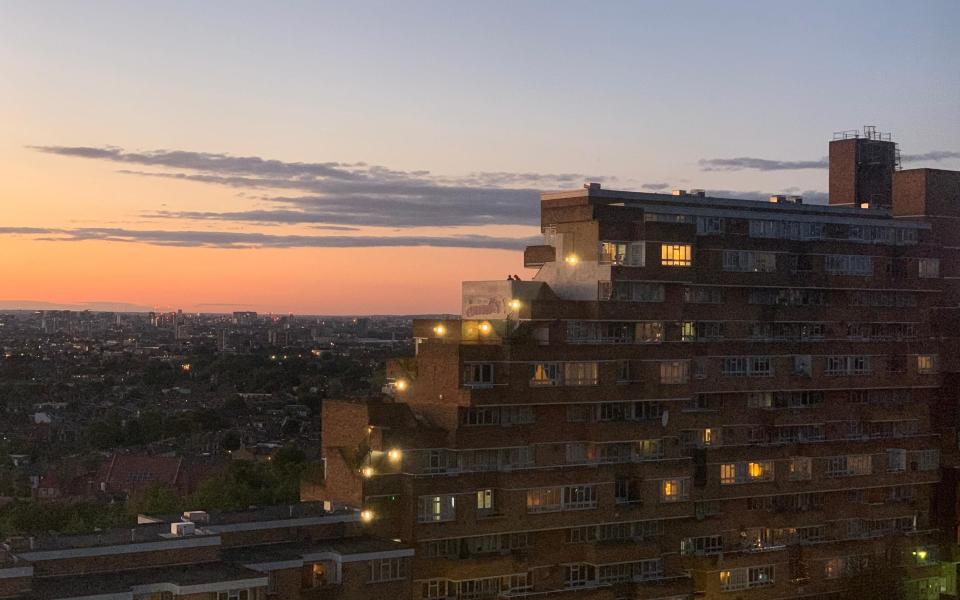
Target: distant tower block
[(861, 167)]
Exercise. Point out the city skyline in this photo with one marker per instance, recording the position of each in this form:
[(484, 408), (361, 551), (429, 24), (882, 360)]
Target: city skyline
[(308, 159)]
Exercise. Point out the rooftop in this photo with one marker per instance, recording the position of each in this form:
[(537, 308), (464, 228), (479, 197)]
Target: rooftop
[(598, 196), (182, 576)]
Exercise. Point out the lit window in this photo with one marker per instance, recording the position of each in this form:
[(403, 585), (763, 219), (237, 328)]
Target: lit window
[(926, 363), (485, 499), (675, 255), (675, 490)]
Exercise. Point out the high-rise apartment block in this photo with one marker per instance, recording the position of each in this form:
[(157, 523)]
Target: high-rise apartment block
[(694, 397)]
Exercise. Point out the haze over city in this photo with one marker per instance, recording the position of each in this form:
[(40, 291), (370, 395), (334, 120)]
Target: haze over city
[(365, 158)]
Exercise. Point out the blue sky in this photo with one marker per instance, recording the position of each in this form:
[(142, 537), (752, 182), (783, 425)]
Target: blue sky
[(549, 93)]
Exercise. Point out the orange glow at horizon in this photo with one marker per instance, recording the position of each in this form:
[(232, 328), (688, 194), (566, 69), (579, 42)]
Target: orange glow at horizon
[(295, 280)]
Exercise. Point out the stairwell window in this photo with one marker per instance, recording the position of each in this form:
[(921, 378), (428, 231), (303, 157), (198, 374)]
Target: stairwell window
[(800, 468), (485, 501), (926, 364), (676, 255), (929, 268), (896, 460)]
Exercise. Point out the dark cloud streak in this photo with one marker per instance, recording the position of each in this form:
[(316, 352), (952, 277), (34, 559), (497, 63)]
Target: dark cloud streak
[(246, 240)]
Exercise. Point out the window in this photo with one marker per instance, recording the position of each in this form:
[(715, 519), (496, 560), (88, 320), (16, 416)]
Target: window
[(434, 589), (637, 291), (516, 415), (675, 255), (649, 333), (747, 366), (580, 575), (849, 264), (700, 546), (432, 509), (802, 365), (700, 367), (896, 460), (927, 460), (485, 501), (478, 375), (607, 332), (702, 294), (788, 297), (629, 254), (700, 438), (674, 371), (387, 569), (929, 268), (800, 468), (675, 490), (746, 472), (579, 373), (691, 331), (613, 252), (848, 466), (748, 261), (544, 374), (745, 577), (883, 299), (244, 594), (926, 364), (543, 499), (833, 568), (577, 497), (709, 225), (848, 365)]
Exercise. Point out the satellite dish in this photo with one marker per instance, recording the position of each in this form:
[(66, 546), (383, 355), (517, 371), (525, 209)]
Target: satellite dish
[(664, 417)]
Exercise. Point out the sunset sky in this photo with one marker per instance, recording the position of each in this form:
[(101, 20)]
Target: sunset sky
[(365, 157)]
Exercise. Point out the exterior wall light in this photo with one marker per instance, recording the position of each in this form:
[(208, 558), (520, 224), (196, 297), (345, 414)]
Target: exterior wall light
[(440, 330), (367, 472), (394, 455), (571, 259), (514, 304), (485, 327), (401, 385), (366, 515)]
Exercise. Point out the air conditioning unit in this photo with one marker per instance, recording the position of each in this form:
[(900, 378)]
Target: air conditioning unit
[(183, 528)]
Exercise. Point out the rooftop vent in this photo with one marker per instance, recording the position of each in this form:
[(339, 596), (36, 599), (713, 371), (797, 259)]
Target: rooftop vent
[(679, 192), (183, 528), (196, 516), (698, 193)]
